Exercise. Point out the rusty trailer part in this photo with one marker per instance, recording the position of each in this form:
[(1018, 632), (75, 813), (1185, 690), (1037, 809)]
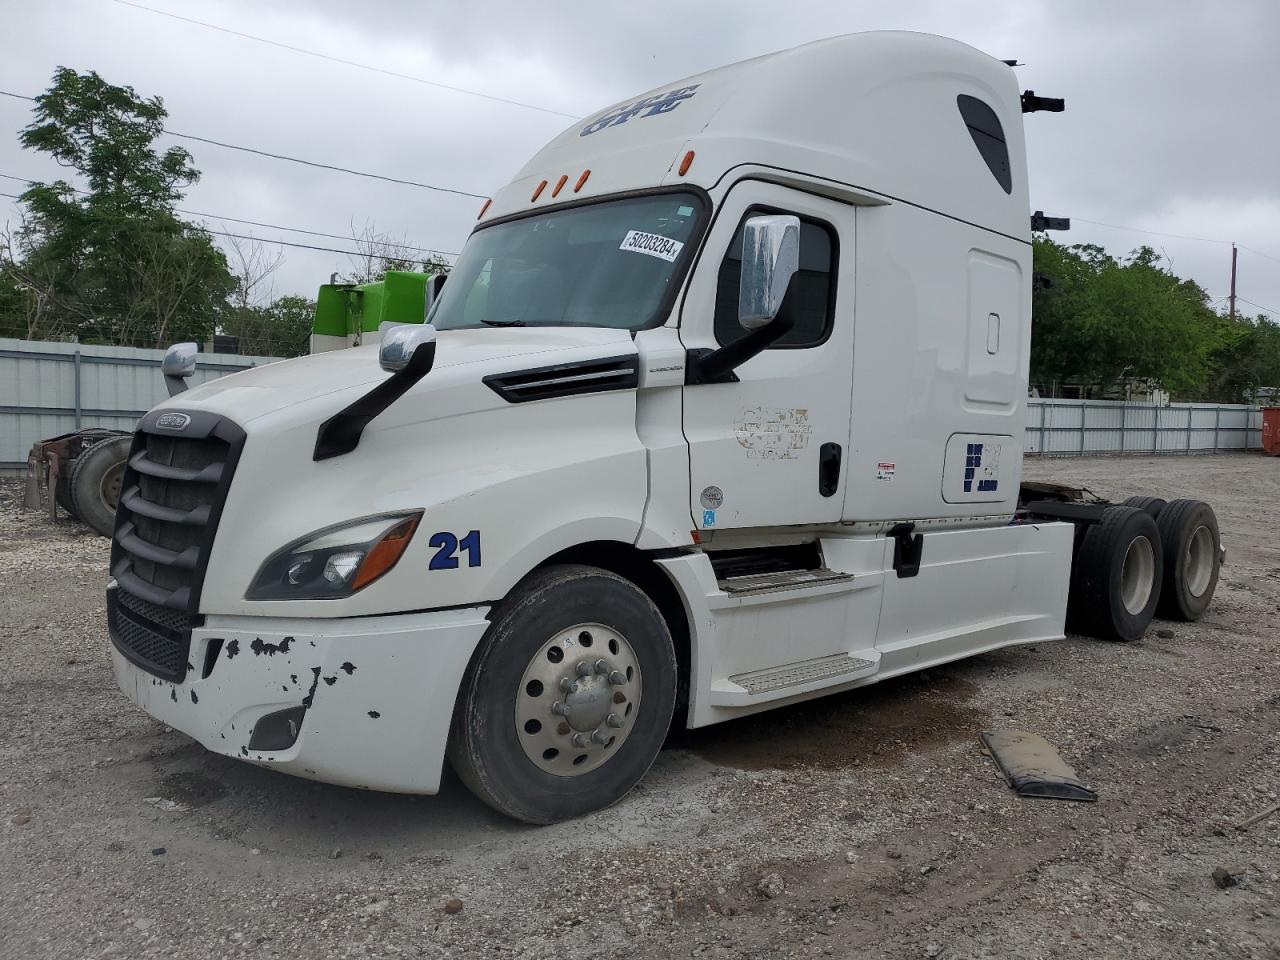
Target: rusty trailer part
[(49, 468)]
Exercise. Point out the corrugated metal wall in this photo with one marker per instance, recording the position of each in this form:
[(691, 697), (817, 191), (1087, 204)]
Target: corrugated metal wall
[(49, 388), (1086, 427)]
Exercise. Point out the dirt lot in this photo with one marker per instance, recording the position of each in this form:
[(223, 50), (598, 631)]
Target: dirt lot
[(867, 825)]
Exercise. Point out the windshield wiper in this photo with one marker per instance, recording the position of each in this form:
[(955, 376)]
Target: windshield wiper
[(503, 323)]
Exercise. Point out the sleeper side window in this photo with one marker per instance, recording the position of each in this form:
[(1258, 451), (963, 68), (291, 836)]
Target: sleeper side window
[(810, 298), (988, 137)]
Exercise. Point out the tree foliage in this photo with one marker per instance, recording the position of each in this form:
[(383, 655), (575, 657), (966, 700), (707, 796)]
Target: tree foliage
[(112, 263), (1099, 320)]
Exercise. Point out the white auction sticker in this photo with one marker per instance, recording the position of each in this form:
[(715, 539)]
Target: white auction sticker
[(664, 248), (886, 470)]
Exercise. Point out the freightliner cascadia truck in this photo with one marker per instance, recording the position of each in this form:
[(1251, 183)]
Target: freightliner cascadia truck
[(721, 408)]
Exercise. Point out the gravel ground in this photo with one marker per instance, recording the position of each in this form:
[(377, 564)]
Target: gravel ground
[(868, 824)]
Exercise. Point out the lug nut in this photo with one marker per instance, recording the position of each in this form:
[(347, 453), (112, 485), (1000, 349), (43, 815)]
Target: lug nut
[(583, 669), (601, 667), (560, 709), (579, 739), (613, 720), (617, 678), (598, 737), (567, 685)]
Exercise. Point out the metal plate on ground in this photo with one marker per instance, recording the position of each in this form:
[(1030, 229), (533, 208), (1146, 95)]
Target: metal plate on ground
[(1033, 768)]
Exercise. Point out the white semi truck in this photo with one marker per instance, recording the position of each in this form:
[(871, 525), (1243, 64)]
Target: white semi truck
[(722, 408)]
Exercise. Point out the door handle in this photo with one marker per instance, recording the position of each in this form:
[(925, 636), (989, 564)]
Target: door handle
[(829, 469)]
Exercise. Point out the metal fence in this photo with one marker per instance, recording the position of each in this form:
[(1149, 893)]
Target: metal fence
[(49, 388), (1088, 427)]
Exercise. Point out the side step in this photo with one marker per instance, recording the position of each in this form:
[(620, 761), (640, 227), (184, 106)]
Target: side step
[(775, 683), (757, 583)]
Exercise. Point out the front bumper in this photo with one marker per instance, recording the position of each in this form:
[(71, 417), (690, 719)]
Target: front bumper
[(378, 692)]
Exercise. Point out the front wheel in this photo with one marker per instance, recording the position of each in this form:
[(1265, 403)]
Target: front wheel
[(568, 698)]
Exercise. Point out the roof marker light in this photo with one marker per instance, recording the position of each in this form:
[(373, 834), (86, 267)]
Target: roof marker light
[(485, 208), (564, 177), (686, 163), (538, 192), (581, 180)]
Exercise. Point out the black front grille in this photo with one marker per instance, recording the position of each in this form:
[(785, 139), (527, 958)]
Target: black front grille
[(174, 486), (157, 639)]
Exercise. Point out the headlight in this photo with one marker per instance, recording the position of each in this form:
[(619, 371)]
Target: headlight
[(335, 562)]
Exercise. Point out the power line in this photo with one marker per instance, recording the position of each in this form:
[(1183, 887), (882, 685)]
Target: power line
[(308, 163), (1258, 305), (282, 243), (1176, 236), (271, 226), (324, 166), (350, 63)]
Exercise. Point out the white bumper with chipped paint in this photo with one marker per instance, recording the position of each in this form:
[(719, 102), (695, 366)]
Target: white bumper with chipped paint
[(379, 692)]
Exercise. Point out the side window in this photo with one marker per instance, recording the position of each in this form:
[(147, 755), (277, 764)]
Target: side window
[(810, 298), (988, 137)]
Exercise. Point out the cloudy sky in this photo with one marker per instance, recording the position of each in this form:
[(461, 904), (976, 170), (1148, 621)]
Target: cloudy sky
[(1172, 129)]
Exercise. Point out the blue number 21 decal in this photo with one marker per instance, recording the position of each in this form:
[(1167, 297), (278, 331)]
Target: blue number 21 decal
[(447, 549)]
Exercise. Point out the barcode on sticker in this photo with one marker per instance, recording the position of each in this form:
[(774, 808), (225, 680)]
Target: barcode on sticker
[(664, 248)]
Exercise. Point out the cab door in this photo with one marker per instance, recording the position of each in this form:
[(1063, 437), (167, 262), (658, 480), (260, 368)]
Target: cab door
[(770, 450)]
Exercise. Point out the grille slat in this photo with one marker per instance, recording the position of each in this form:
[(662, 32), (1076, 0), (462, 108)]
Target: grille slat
[(175, 485)]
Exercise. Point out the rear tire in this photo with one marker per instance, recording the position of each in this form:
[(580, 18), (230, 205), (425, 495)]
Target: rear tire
[(1116, 576), (95, 483), (1192, 548), (575, 635), (1151, 505), (62, 495)]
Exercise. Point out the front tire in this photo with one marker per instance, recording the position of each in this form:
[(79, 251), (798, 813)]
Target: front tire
[(1116, 576), (568, 697)]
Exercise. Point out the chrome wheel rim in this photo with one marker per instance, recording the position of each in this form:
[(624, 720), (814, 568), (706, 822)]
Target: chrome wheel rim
[(1197, 563), (578, 699), (1137, 575)]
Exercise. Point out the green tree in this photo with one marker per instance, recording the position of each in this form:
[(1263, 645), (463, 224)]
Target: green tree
[(1098, 321), (111, 263), (282, 328)]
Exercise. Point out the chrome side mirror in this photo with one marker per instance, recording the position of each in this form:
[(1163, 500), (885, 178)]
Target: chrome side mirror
[(401, 341), (179, 363), (770, 258)]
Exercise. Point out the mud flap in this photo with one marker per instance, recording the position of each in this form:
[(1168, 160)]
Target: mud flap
[(1032, 766)]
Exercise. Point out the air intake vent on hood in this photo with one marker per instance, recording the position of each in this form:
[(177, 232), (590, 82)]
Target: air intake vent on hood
[(567, 379)]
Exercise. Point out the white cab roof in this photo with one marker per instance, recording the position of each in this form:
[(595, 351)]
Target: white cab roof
[(875, 112)]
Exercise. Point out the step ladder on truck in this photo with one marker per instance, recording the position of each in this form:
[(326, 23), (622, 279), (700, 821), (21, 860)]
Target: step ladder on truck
[(721, 408)]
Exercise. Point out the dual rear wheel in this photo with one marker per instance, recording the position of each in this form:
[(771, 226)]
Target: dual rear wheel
[(1139, 559)]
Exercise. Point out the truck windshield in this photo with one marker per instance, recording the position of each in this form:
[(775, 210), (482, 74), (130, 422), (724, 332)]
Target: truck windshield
[(606, 264)]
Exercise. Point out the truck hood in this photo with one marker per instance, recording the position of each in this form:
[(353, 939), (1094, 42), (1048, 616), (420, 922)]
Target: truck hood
[(270, 388)]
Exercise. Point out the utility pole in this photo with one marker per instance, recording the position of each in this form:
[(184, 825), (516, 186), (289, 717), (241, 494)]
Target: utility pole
[(1233, 282)]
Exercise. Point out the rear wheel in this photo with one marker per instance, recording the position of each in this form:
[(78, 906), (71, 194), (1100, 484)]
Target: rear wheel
[(1116, 576), (95, 483), (568, 698), (1151, 505), (1192, 554), (62, 495)]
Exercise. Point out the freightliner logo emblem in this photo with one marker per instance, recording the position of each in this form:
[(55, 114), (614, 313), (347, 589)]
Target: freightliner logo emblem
[(172, 421)]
